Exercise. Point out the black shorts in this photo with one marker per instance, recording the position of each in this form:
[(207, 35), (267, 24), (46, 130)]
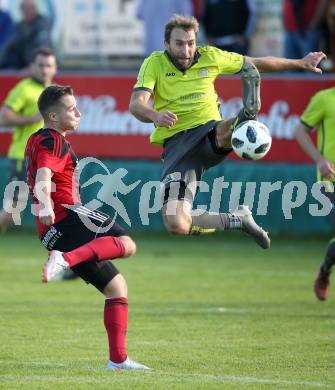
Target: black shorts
[(185, 158), (79, 227), (16, 172), (331, 196)]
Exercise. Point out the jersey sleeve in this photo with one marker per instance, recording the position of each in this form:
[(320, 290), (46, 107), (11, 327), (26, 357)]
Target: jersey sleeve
[(147, 76), (15, 100), (228, 62), (52, 154), (314, 111)]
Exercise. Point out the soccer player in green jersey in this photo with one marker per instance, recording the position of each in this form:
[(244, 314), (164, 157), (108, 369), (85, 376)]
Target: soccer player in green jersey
[(320, 114), (20, 112), (188, 123)]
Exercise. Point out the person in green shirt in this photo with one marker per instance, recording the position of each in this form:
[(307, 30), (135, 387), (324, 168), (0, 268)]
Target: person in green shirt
[(20, 112), (320, 114), (188, 123)]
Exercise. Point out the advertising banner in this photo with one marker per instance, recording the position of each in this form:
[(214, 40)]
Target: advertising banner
[(101, 27), (109, 130)]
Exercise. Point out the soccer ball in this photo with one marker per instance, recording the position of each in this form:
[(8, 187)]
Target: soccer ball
[(251, 140)]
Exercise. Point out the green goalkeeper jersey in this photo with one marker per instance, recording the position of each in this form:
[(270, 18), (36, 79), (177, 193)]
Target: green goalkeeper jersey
[(188, 94), (22, 99), (320, 114)]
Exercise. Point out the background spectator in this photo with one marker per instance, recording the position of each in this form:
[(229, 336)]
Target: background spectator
[(197, 8), (30, 34), (229, 24), (331, 26), (155, 15), (6, 27), (20, 112), (303, 23)]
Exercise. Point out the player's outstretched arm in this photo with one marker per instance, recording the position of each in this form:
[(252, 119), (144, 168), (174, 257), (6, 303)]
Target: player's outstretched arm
[(42, 192), (274, 64), (326, 167), (140, 108)]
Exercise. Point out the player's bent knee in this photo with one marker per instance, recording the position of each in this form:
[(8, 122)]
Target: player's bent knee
[(129, 245), (175, 225), (116, 288)]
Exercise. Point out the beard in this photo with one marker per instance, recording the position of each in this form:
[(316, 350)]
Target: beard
[(179, 62)]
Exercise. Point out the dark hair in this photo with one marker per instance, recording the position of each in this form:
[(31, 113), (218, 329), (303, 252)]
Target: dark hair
[(50, 98), (42, 51), (184, 22)]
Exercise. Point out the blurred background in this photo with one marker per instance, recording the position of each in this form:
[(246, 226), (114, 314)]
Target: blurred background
[(100, 45)]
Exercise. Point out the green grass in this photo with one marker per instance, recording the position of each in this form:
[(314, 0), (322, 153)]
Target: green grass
[(209, 312)]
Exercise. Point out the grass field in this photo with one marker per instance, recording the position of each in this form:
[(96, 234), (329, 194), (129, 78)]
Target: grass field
[(205, 313)]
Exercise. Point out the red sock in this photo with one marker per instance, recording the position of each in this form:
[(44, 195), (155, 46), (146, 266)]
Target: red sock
[(116, 324), (102, 248)]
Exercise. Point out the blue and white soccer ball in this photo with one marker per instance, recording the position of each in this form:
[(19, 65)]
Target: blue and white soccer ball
[(251, 140)]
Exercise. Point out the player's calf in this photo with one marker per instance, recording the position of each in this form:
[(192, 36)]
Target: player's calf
[(240, 219), (223, 133), (116, 324)]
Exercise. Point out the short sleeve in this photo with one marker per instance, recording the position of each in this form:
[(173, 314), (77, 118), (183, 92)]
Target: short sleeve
[(314, 112), (15, 100), (147, 75), (52, 154), (228, 62)]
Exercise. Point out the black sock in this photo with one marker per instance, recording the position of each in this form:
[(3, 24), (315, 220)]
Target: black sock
[(329, 260), (207, 223)]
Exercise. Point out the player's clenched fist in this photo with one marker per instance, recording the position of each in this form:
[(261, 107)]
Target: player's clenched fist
[(47, 217), (165, 119)]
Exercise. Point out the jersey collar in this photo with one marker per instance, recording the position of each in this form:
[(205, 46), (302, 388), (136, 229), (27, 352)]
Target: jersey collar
[(195, 60), (36, 81)]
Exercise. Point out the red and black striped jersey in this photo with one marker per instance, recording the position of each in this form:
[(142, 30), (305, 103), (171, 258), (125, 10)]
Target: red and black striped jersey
[(47, 148)]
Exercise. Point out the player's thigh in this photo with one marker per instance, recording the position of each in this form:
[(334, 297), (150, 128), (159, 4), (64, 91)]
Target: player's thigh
[(71, 233), (77, 229), (112, 229), (179, 190)]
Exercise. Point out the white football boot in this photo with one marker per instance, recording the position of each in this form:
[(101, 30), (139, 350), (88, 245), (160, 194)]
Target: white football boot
[(55, 265), (128, 364), (249, 226)]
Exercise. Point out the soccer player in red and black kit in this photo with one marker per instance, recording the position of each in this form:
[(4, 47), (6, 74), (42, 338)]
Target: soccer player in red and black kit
[(77, 238)]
